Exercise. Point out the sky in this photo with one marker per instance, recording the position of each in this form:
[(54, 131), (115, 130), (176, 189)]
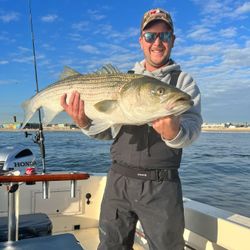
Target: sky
[(212, 44)]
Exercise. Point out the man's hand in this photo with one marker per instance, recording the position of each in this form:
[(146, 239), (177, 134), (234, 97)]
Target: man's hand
[(168, 127), (75, 109)]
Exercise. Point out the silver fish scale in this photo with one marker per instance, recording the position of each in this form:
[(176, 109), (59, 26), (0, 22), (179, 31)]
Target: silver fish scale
[(91, 87)]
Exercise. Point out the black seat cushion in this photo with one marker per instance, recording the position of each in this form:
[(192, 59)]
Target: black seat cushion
[(54, 242), (30, 225)]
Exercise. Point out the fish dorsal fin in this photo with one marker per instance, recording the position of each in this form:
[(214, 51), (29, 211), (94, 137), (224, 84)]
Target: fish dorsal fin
[(67, 71), (108, 69)]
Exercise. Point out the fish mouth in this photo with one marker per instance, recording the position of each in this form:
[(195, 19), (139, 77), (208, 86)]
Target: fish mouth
[(182, 99), (185, 100), (178, 102)]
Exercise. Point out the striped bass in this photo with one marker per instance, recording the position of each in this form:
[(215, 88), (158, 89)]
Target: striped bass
[(111, 99)]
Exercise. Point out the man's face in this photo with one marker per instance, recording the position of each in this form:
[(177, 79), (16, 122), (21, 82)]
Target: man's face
[(158, 52)]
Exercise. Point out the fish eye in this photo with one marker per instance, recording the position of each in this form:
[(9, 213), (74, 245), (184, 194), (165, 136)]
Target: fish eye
[(160, 91)]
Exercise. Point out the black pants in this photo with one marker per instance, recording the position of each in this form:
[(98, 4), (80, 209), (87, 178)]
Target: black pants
[(158, 206)]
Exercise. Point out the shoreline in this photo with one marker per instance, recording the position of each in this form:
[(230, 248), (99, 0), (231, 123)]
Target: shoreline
[(242, 129)]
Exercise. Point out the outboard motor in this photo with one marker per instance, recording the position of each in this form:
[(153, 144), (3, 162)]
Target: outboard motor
[(17, 158)]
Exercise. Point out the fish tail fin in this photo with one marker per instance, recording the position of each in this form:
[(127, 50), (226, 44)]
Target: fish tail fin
[(50, 113), (29, 111)]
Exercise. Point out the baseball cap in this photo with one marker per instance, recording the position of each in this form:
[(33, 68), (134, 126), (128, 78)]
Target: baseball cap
[(156, 14)]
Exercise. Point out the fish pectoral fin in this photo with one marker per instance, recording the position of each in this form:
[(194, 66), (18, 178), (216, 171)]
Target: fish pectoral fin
[(106, 106), (98, 126), (115, 129)]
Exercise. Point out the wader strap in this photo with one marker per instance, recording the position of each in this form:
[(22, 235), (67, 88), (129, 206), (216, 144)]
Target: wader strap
[(146, 174), (174, 77)]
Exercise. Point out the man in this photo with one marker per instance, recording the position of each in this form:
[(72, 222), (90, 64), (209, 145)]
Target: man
[(143, 182)]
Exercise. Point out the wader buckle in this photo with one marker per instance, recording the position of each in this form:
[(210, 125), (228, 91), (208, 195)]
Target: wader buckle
[(166, 174)]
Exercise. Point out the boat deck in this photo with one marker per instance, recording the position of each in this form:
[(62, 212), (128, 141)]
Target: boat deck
[(89, 239)]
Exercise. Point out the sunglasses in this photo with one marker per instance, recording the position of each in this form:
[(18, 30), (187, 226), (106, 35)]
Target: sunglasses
[(150, 37)]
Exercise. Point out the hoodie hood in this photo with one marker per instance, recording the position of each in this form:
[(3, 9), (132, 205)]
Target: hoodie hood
[(160, 73)]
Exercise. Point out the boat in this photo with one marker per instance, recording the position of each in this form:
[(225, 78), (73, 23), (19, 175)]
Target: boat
[(74, 221), (60, 210)]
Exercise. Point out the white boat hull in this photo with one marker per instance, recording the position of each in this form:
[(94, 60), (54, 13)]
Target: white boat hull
[(206, 227)]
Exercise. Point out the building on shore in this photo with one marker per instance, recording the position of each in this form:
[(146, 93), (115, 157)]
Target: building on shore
[(12, 125), (213, 125), (18, 125), (225, 125)]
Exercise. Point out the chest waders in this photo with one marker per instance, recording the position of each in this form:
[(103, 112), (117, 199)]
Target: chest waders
[(142, 184)]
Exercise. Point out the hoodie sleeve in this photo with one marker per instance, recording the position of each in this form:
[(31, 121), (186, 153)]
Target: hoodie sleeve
[(191, 120), (105, 135)]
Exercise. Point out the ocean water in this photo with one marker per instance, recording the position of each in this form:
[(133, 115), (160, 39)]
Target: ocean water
[(214, 170)]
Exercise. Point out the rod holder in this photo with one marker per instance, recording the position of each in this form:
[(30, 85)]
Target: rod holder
[(12, 215), (73, 188), (46, 193)]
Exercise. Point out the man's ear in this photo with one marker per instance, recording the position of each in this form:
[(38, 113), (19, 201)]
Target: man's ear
[(172, 40)]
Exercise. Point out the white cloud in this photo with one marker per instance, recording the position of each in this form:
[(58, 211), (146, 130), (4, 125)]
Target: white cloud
[(96, 15), (216, 7), (23, 59), (23, 49), (243, 8), (2, 62), (216, 10), (8, 82), (24, 55), (228, 32), (217, 57), (116, 54), (237, 57), (90, 49), (199, 49), (67, 61), (104, 29), (9, 17), (109, 32), (200, 33), (81, 26), (75, 36), (48, 47), (220, 66), (49, 18), (5, 37), (113, 48)]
